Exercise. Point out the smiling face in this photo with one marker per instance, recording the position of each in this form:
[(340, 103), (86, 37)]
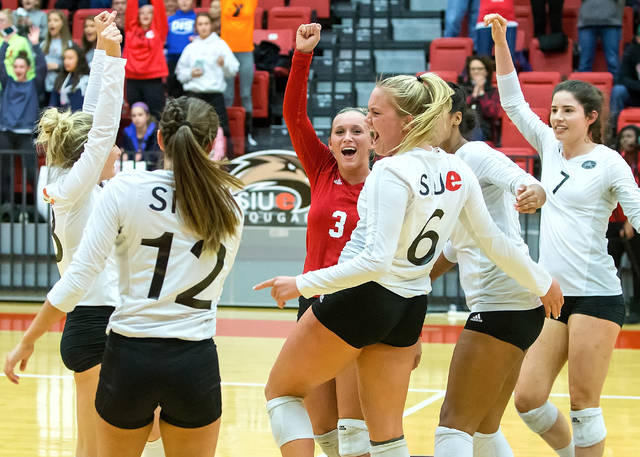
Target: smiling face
[(54, 24), (204, 27), (90, 30), (70, 60), (145, 16), (350, 142), (20, 68), (569, 122), (628, 140), (477, 69), (185, 5), (139, 117), (385, 123)]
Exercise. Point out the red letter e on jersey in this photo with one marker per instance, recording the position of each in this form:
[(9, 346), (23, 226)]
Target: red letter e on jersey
[(454, 182)]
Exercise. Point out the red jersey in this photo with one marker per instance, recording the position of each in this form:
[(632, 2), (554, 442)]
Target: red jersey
[(503, 7), (144, 49), (618, 214), (333, 214)]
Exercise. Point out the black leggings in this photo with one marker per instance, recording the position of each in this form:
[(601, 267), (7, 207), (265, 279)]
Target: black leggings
[(540, 15)]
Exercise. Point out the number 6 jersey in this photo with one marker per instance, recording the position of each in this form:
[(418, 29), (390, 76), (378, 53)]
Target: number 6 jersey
[(581, 194), (169, 286), (408, 207)]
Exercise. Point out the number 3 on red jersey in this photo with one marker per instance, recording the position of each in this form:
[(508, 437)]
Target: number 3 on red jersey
[(338, 229)]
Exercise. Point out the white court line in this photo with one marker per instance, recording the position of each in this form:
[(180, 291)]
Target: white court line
[(423, 404), (439, 392)]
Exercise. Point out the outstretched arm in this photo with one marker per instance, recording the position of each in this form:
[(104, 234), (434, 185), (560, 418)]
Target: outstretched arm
[(101, 21)]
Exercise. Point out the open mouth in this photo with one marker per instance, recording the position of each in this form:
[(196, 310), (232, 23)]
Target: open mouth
[(348, 151)]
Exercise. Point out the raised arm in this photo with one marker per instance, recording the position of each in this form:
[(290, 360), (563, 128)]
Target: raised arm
[(503, 253), (3, 71), (528, 123), (160, 22), (101, 22), (131, 16), (313, 154), (84, 174)]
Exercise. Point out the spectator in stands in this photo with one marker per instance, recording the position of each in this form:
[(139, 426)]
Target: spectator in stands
[(139, 140), (483, 41), (626, 91), (89, 39), (58, 39), (171, 6), (71, 83), (622, 237), (237, 20), (482, 97), (455, 14), (600, 19), (17, 43), (204, 67), (546, 12), (19, 108), (120, 6), (72, 5), (33, 16), (181, 32), (145, 35)]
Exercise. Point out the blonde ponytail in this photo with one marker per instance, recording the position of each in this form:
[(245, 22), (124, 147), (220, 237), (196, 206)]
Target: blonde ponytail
[(63, 136)]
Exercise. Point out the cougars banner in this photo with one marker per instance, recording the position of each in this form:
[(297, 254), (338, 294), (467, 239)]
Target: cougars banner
[(276, 189)]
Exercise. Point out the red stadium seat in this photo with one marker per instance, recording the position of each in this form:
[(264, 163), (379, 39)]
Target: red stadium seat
[(602, 80), (629, 116), (78, 22), (537, 87), (289, 17), (322, 7), (449, 53), (524, 157), (285, 38), (560, 61), (570, 21), (447, 75), (511, 136), (236, 116), (201, 9), (627, 25), (259, 94), (259, 18), (268, 4), (572, 3), (525, 22), (11, 4)]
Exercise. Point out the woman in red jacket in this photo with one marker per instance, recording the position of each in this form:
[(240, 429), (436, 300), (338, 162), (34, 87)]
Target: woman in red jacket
[(146, 31)]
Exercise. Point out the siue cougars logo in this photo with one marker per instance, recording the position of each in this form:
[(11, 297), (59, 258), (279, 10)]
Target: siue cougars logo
[(276, 192)]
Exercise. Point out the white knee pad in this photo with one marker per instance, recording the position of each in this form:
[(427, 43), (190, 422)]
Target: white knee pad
[(541, 419), (329, 443), (588, 426), (289, 420), (451, 442), (491, 445), (354, 437), (392, 448)]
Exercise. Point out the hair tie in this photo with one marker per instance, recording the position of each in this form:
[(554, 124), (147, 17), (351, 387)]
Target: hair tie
[(419, 78), (187, 123)]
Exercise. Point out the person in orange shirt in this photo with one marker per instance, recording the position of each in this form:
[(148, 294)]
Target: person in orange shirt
[(237, 19)]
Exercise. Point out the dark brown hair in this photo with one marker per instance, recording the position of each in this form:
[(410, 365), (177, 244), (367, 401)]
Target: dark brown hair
[(590, 98)]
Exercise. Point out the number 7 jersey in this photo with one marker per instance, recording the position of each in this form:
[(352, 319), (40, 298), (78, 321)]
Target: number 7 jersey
[(169, 286)]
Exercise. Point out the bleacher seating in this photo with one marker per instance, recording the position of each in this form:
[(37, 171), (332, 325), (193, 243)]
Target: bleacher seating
[(511, 136), (525, 22), (236, 115), (629, 116), (268, 4), (321, 7), (525, 157), (602, 80), (259, 94), (543, 61), (537, 87), (570, 21), (77, 28), (285, 38), (259, 18), (449, 53), (447, 75), (289, 17), (11, 4)]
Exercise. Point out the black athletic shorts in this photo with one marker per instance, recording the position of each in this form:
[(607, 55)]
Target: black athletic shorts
[(139, 374), (304, 304), (369, 314), (520, 328), (609, 307), (84, 337)]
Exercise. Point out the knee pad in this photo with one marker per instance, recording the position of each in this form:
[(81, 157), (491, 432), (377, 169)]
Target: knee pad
[(396, 447), (450, 441), (541, 419), (289, 420), (588, 426), (354, 437), (491, 445), (329, 443)]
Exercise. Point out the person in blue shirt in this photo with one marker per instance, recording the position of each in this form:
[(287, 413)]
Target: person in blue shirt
[(181, 32)]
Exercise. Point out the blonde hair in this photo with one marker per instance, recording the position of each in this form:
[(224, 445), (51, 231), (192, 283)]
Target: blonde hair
[(203, 190), (426, 98), (63, 136), (8, 12)]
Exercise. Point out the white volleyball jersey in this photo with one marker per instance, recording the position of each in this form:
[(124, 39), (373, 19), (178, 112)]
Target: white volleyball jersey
[(169, 286), (73, 192), (408, 207), (581, 194), (487, 287)]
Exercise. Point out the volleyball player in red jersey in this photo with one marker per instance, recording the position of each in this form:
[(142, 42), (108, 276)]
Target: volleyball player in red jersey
[(336, 175)]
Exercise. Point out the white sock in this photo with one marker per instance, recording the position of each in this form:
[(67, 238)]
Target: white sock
[(452, 443), (568, 451), (491, 445), (329, 443), (153, 449)]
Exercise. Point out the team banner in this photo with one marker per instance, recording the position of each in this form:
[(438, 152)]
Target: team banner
[(276, 192)]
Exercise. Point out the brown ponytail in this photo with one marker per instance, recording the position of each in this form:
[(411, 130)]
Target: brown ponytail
[(203, 190)]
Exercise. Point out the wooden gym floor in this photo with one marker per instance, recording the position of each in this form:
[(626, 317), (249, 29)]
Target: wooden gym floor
[(37, 418)]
